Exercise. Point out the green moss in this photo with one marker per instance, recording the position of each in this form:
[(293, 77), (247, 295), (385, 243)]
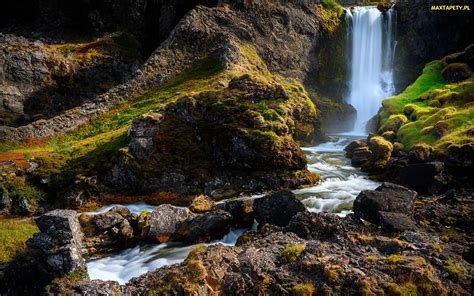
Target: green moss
[(454, 269), (292, 253), (19, 188), (405, 289), (14, 233), (438, 114), (430, 79), (128, 43), (196, 251), (332, 5), (393, 123), (395, 259), (303, 289)]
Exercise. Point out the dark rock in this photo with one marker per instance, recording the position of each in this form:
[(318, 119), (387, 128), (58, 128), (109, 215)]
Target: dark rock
[(277, 208), (318, 226), (165, 222), (395, 222), (425, 177), (107, 220), (60, 239), (420, 153), (353, 146), (206, 227), (456, 72), (386, 198), (360, 156), (241, 211)]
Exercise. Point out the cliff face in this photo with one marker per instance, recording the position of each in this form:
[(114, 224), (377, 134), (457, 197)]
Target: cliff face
[(425, 35)]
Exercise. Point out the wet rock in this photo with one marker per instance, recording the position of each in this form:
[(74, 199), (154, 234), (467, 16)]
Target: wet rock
[(241, 211), (202, 204), (60, 239), (381, 150), (166, 220), (107, 220), (425, 177), (353, 146), (386, 198), (395, 222), (360, 156), (206, 227), (277, 208)]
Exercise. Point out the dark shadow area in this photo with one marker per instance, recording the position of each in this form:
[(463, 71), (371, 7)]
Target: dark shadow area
[(82, 20)]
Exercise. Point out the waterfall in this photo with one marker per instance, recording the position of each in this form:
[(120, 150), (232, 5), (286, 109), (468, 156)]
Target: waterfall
[(371, 61)]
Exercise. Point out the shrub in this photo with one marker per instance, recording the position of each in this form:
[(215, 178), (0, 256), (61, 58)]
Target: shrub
[(303, 289), (292, 253)]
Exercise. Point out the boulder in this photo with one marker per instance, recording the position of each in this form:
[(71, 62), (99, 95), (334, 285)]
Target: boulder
[(381, 150), (318, 226), (360, 156), (426, 177), (353, 146), (456, 72), (60, 239), (165, 222), (241, 211), (107, 220), (395, 222), (277, 208), (386, 198), (202, 204), (206, 227)]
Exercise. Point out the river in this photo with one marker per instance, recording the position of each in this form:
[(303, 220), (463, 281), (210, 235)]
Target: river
[(339, 185)]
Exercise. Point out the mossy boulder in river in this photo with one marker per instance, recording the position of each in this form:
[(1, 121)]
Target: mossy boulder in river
[(236, 138)]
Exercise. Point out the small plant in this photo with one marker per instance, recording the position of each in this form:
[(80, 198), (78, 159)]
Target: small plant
[(405, 289), (372, 258), (20, 189), (196, 251), (394, 259), (333, 6), (455, 270), (292, 253), (303, 289), (195, 270)]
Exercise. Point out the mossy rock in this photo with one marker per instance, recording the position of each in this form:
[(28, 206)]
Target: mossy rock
[(381, 150), (393, 123), (456, 72)]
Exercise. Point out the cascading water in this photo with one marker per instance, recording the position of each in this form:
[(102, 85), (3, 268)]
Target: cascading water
[(371, 61)]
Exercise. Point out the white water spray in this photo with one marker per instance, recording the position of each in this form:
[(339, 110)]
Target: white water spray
[(371, 61)]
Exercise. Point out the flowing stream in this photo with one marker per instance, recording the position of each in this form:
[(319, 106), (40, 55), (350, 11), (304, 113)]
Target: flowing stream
[(372, 51), (339, 185)]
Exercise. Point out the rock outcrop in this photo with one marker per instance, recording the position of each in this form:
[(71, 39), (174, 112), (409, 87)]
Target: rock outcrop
[(277, 208), (241, 138), (386, 198), (60, 238), (166, 221)]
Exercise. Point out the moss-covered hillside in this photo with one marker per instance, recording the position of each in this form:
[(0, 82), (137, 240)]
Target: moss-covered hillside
[(437, 109), (247, 99)]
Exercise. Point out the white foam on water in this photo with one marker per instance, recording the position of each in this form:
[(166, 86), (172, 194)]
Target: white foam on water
[(133, 262), (136, 208)]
